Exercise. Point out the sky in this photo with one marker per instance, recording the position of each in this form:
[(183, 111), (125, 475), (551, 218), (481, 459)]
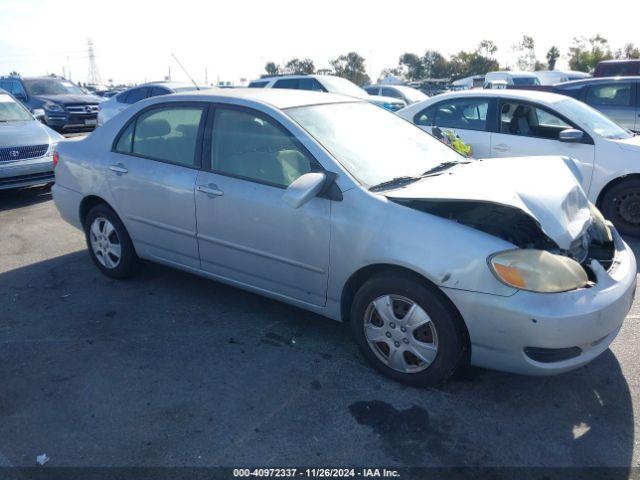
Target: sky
[(133, 40)]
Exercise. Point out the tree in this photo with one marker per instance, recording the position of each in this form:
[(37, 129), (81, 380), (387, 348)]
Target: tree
[(586, 53), (272, 69), (527, 53), (552, 57), (351, 66), (435, 65), (414, 66), (478, 62), (628, 52), (297, 66), (487, 48)]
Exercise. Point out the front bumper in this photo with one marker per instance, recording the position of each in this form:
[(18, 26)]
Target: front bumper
[(501, 328), (71, 121), (24, 173)]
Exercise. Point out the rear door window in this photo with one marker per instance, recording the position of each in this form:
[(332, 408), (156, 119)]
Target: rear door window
[(136, 95), (292, 83), (464, 113), (610, 94), (169, 134), (310, 84)]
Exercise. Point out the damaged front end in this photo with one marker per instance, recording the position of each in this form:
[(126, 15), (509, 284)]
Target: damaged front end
[(517, 227)]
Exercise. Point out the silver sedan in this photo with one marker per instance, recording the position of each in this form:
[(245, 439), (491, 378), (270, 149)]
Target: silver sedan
[(339, 207)]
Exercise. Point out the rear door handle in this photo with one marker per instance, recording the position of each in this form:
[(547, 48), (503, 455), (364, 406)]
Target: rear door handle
[(502, 148), (118, 168), (211, 190)]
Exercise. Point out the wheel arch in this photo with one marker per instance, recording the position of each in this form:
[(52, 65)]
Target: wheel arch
[(613, 183), (88, 203), (358, 278)]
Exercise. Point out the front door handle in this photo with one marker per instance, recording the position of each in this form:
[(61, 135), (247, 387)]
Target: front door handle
[(502, 148), (118, 168), (211, 190)]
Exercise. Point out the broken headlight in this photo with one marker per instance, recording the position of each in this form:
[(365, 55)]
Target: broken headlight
[(537, 271), (601, 232)]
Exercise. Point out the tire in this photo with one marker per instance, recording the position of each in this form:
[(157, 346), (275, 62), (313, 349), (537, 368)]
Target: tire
[(104, 232), (621, 205), (444, 329)]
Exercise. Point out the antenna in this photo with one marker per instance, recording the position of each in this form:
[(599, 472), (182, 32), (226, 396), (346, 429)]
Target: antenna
[(185, 71)]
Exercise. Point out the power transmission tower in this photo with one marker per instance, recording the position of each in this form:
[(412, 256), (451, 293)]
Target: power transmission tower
[(94, 75)]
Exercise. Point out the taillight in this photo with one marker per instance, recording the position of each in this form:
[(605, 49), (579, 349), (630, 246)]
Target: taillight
[(56, 157)]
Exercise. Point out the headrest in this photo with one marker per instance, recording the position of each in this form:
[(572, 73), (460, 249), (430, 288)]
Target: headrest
[(150, 128)]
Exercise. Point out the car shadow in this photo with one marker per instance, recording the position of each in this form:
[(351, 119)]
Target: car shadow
[(127, 368), (23, 197)]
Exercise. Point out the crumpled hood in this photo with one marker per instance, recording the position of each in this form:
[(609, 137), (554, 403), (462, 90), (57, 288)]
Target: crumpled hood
[(543, 187), (29, 132)]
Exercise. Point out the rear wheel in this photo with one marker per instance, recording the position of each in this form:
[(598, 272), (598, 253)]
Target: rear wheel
[(109, 243), (407, 330), (621, 205)]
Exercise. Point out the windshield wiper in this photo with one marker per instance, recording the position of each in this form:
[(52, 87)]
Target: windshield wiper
[(405, 180), (441, 167), (398, 181)]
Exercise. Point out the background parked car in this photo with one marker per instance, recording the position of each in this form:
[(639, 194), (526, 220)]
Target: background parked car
[(551, 77), (26, 146), (407, 94), (516, 123), (327, 83), (116, 103), (617, 68), (66, 106), (513, 78), (616, 97)]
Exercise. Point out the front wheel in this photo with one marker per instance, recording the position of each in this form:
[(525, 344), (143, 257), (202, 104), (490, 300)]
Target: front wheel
[(407, 330), (109, 243), (621, 205)]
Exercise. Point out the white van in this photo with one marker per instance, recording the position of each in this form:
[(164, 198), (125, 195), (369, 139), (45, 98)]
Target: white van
[(512, 78), (551, 77)]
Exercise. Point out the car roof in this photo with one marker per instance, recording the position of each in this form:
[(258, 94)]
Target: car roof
[(507, 93), (166, 84), (587, 81), (300, 75), (512, 73), (279, 98)]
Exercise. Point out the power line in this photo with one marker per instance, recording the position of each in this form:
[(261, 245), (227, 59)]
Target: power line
[(94, 75)]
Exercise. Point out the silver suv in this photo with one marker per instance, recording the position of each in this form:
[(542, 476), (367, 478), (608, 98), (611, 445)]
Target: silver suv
[(26, 146)]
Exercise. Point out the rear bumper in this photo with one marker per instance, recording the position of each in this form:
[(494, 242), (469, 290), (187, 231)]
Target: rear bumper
[(24, 173), (68, 204), (504, 331)]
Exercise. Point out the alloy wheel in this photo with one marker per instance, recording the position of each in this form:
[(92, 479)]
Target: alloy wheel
[(400, 333), (105, 243)]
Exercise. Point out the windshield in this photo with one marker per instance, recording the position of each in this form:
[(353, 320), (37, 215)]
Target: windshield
[(526, 81), (342, 86), (12, 111), (593, 119), (374, 145), (51, 86), (412, 94)]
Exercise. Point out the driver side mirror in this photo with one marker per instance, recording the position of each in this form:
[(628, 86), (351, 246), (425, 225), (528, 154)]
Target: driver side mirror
[(39, 114), (571, 135), (304, 188)]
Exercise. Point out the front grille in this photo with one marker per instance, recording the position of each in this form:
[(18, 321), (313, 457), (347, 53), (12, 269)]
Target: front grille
[(45, 177), (12, 154), (84, 109)]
